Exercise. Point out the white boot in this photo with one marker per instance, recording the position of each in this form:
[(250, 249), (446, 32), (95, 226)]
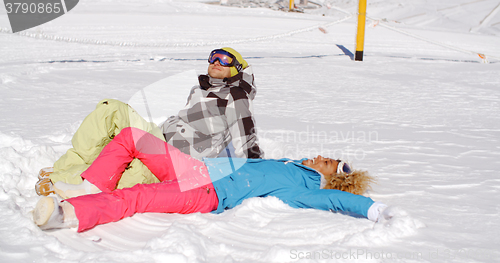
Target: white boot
[(49, 213), (66, 191)]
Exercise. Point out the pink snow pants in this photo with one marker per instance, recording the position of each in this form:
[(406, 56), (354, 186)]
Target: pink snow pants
[(185, 183)]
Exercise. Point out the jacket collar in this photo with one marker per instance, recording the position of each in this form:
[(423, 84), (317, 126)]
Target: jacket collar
[(207, 82)]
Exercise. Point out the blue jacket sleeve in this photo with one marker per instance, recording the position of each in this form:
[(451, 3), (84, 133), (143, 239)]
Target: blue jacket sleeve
[(329, 200)]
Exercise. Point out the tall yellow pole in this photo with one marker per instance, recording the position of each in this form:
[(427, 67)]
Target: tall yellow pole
[(292, 4), (360, 36)]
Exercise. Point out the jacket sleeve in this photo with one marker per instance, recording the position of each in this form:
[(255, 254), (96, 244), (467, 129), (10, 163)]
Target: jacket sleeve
[(329, 200), (242, 125)]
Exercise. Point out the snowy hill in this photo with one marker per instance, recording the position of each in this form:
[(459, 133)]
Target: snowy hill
[(421, 113)]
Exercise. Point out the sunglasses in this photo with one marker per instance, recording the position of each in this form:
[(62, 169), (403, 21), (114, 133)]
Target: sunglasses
[(343, 167), (225, 58)]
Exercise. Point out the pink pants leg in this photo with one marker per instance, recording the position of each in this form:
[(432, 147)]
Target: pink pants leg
[(185, 187), (164, 160), (165, 197)]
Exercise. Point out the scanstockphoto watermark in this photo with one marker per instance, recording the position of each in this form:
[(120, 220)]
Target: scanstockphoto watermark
[(353, 254), (297, 151), (311, 135), (367, 254), (310, 142)]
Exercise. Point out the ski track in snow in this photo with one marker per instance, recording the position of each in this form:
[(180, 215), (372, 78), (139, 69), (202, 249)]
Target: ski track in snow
[(422, 118)]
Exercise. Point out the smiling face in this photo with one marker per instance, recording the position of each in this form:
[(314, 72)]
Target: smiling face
[(217, 71), (325, 166)]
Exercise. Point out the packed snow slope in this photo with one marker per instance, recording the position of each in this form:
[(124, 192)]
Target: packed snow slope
[(421, 113)]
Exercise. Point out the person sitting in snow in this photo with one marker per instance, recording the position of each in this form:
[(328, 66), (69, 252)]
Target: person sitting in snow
[(189, 185), (218, 113)]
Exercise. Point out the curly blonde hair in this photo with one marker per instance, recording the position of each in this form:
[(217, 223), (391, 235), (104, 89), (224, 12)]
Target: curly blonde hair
[(356, 182)]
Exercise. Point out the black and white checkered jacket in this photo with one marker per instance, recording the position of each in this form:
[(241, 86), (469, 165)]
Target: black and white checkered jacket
[(217, 112)]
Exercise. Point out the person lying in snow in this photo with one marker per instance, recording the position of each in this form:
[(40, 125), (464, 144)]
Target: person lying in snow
[(189, 185), (218, 113)]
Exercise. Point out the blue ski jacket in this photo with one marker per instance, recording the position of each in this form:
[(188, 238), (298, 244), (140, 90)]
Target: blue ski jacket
[(237, 179)]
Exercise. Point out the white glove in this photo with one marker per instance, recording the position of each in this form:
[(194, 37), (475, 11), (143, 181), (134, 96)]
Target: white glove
[(378, 212)]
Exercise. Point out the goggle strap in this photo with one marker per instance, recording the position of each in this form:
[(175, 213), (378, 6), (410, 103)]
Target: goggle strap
[(237, 65)]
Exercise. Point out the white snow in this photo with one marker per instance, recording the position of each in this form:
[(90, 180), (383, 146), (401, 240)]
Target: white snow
[(421, 113)]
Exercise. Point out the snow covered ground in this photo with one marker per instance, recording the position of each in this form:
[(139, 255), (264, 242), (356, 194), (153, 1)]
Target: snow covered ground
[(421, 113)]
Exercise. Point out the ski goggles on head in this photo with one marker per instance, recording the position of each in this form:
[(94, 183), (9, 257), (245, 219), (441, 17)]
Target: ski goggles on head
[(343, 167), (225, 59)]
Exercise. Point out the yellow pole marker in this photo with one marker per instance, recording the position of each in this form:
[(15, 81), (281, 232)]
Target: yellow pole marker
[(360, 37), (292, 3)]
